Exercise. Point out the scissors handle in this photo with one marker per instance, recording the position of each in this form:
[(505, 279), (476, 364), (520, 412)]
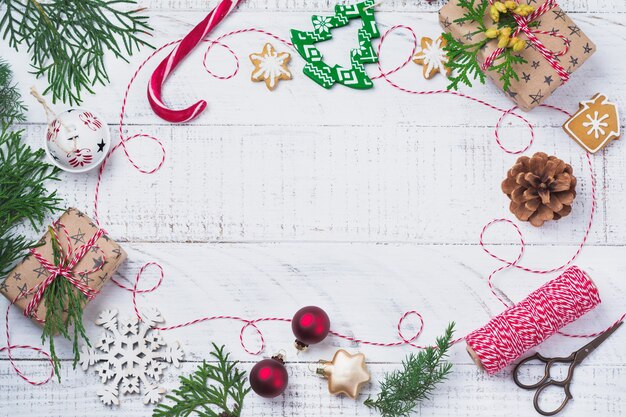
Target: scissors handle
[(548, 365), (568, 396)]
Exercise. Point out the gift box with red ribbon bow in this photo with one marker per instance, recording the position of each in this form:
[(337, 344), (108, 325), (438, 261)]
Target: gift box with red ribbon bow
[(89, 259), (556, 47)]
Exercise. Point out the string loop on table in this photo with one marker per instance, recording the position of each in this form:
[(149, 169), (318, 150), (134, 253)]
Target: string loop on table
[(253, 323), (383, 74), (9, 348), (234, 55)]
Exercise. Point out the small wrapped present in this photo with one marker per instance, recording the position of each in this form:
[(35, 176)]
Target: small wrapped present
[(555, 48), (89, 256)]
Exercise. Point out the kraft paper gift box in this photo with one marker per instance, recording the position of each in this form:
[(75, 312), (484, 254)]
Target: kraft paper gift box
[(106, 255), (537, 79)]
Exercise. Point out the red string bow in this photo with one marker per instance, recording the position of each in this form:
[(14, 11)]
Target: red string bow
[(69, 259), (523, 26)]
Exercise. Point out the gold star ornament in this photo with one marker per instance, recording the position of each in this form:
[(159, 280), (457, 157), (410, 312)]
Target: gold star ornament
[(346, 373), (270, 66)]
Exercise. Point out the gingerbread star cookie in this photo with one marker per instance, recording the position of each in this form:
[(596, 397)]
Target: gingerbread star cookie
[(432, 57), (595, 124), (270, 66)]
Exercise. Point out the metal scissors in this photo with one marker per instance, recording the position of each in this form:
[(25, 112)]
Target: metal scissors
[(574, 360)]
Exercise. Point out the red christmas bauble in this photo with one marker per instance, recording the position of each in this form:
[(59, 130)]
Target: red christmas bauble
[(310, 325), (269, 378)]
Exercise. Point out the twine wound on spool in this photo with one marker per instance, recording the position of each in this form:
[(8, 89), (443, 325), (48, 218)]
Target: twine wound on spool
[(540, 315)]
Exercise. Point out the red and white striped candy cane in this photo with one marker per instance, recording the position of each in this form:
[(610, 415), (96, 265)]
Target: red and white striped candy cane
[(179, 53)]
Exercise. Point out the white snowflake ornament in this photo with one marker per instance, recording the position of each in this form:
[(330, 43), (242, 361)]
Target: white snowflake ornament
[(130, 354)]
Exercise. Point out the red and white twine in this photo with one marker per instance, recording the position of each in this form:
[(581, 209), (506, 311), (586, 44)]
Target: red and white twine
[(523, 26), (165, 68), (528, 323), (69, 258)]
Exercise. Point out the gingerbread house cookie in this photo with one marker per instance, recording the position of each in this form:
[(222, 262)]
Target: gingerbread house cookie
[(595, 124)]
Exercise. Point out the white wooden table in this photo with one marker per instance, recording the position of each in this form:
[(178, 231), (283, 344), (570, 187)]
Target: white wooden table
[(367, 204)]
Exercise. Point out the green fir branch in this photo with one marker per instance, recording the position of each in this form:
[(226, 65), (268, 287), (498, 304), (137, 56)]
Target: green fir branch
[(64, 312), (25, 199), (11, 106), (68, 39), (213, 390), (402, 390), (23, 195)]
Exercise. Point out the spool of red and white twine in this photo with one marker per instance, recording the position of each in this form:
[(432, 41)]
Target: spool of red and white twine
[(525, 325)]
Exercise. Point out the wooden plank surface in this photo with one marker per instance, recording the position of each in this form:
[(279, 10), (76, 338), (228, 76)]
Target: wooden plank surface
[(366, 203), (366, 287)]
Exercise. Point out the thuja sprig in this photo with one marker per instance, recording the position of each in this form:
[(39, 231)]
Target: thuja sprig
[(463, 57), (23, 194), (505, 67), (474, 12), (213, 390), (68, 39), (462, 60), (64, 311), (402, 390)]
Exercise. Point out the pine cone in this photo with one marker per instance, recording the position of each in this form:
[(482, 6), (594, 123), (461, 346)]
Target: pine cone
[(541, 188)]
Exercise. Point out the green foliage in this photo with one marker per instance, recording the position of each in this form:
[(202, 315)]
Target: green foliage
[(11, 107), (64, 310), (24, 199), (507, 20), (209, 390), (504, 67), (474, 13), (463, 62), (462, 57), (23, 195), (68, 39), (402, 390)]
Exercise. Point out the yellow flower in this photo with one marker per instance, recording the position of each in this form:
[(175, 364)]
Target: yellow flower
[(492, 33), (500, 6), (506, 31), (512, 41), (510, 4), (503, 41), (494, 13), (523, 10), (520, 45)]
